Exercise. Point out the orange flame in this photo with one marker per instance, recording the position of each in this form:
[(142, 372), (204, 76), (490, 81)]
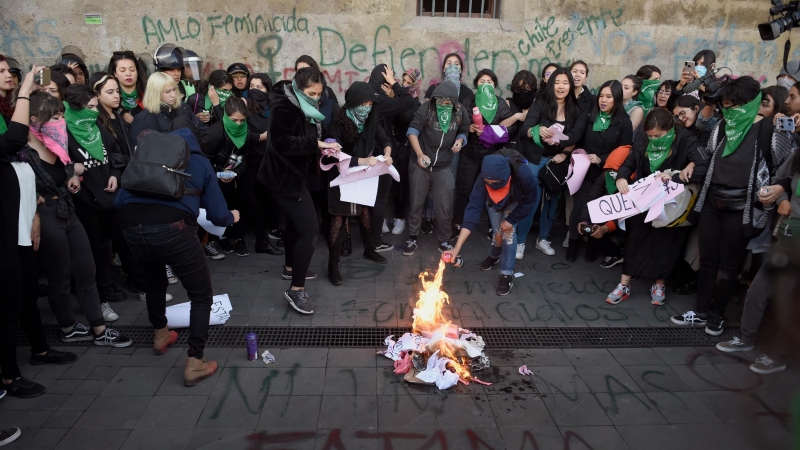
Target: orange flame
[(428, 318)]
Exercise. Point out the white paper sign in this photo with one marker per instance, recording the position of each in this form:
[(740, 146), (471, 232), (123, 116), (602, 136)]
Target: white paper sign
[(178, 315), (362, 192)]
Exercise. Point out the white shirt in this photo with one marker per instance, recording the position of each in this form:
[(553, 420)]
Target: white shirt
[(27, 201)]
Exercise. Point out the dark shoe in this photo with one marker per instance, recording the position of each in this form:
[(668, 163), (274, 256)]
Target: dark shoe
[(491, 234), (373, 255), (299, 301), (52, 356), (591, 253), (488, 263), (384, 247), (9, 435), (240, 248), (347, 246), (334, 275), (288, 275), (715, 325), (445, 246), (112, 338), (611, 261), (505, 284), (572, 251), (276, 234), (79, 332), (212, 252), (226, 245), (411, 247), (110, 293), (23, 388), (279, 243), (687, 288), (427, 226), (690, 318), (264, 246)]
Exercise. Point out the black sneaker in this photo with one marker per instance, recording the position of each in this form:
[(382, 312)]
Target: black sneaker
[(110, 293), (78, 333), (490, 236), (23, 388), (611, 261), (226, 245), (384, 247), (488, 263), (52, 356), (690, 318), (264, 246), (299, 301), (9, 435), (411, 247), (375, 256), (347, 246), (112, 338), (288, 275), (240, 248), (445, 246), (716, 325), (505, 284), (427, 226), (212, 252), (276, 234)]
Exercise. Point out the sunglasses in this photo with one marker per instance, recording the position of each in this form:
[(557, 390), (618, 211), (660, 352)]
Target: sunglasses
[(127, 54), (238, 76)]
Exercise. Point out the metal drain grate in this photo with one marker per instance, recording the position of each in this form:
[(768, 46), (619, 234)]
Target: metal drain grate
[(233, 336)]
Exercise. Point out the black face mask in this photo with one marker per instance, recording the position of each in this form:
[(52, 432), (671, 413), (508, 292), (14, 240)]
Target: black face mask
[(523, 99)]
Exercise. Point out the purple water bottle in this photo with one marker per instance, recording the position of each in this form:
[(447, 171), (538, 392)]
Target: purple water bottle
[(252, 346)]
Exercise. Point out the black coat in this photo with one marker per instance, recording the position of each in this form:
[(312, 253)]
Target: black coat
[(95, 179), (685, 149), (602, 143), (533, 152), (217, 146), (146, 120), (586, 100), (10, 143), (474, 149)]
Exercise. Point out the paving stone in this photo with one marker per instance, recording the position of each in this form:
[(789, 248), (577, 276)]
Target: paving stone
[(349, 439), (596, 438), (635, 356), (680, 355), (347, 412), (542, 438), (144, 357), (682, 407), (77, 438), (173, 384), (24, 419), (657, 379), (62, 419), (305, 357), (289, 412), (352, 357), (546, 358), (91, 387), (739, 407), (114, 412), (590, 357), (137, 381), (564, 380), (43, 438), (167, 439), (350, 381), (629, 409), (682, 436), (575, 410), (704, 378), (607, 379), (62, 386), (519, 410), (172, 412)]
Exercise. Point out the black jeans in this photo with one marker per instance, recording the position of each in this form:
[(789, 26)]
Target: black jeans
[(65, 255), (722, 245), (378, 212), (175, 244), (18, 301), (302, 232), (399, 190)]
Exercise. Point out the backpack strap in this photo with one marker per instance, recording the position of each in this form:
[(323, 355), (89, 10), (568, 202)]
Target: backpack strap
[(193, 192)]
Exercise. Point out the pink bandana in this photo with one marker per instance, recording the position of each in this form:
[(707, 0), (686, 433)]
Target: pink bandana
[(53, 135)]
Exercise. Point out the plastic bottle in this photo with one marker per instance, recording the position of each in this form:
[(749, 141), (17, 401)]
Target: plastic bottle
[(252, 346), (477, 119), (226, 175)]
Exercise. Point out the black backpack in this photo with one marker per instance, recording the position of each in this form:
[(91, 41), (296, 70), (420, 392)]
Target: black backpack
[(157, 168), (553, 177)]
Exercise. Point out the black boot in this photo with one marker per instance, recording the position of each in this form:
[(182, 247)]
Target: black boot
[(333, 273), (263, 245), (591, 251), (111, 293), (372, 255), (572, 251)]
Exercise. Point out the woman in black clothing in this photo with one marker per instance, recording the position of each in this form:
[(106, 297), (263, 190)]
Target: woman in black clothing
[(688, 110), (358, 130), (651, 252), (131, 77), (329, 98), (208, 101), (240, 77), (162, 104), (294, 141), (547, 71), (523, 94), (580, 73), (452, 69), (108, 96), (606, 128)]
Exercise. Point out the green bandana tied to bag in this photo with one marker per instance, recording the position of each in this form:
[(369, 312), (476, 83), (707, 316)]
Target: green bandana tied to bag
[(444, 114), (128, 101), (602, 121), (307, 104), (236, 131), (486, 101), (82, 124), (738, 121), (359, 115), (658, 149), (223, 97), (632, 104), (3, 126), (611, 182), (647, 94)]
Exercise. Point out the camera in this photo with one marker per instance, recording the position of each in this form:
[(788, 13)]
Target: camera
[(788, 17), (587, 229), (785, 124)]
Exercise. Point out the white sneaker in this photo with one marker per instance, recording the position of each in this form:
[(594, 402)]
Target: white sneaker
[(143, 297), (565, 244), (171, 276), (545, 247), (385, 227), (520, 251), (108, 314), (399, 226)]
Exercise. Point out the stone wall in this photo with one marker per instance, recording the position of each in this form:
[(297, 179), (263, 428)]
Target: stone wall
[(349, 37)]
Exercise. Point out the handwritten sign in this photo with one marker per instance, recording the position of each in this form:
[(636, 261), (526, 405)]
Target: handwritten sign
[(643, 195), (178, 315)]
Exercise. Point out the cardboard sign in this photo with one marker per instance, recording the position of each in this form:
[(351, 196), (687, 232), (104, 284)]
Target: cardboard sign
[(645, 194)]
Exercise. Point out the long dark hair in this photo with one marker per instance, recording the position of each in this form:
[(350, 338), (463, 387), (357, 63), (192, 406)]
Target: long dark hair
[(543, 84), (44, 106), (94, 82), (252, 106), (637, 85), (308, 60), (141, 74), (616, 93), (78, 95), (6, 109), (460, 62), (779, 95), (348, 128), (550, 104), (235, 104), (483, 72), (659, 118)]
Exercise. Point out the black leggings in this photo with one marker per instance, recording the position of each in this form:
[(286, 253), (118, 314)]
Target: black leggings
[(240, 194), (339, 230), (302, 232)]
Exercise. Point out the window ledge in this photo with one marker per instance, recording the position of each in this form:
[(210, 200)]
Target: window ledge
[(453, 24)]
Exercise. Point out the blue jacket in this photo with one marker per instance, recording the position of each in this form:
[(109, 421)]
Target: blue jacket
[(203, 178), (524, 192)]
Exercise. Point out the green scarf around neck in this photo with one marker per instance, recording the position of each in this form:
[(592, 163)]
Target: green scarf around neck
[(223, 94), (647, 94), (658, 150), (445, 114), (3, 126), (611, 182), (602, 121), (486, 101), (738, 121), (82, 124), (128, 101), (308, 105), (237, 132)]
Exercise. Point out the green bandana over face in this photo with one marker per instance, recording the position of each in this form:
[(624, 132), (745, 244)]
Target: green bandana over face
[(128, 101), (658, 149), (359, 115), (308, 105), (3, 126), (223, 94), (444, 114), (82, 124), (738, 121), (486, 101), (647, 94), (632, 104), (611, 182), (236, 131), (602, 121)]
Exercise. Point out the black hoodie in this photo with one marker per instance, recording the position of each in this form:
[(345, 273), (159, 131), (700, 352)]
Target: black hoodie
[(390, 107)]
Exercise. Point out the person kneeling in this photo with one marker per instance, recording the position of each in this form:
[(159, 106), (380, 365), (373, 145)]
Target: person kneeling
[(508, 194)]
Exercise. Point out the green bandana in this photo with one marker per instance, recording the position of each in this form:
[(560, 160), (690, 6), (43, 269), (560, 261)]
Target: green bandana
[(445, 114), (602, 121), (359, 115), (82, 124), (237, 132), (647, 94), (128, 101), (611, 182), (658, 149), (308, 105), (534, 133), (3, 126), (738, 121), (486, 101), (223, 94), (631, 105)]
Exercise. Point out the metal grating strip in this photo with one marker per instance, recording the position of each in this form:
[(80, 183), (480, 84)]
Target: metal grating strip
[(494, 337)]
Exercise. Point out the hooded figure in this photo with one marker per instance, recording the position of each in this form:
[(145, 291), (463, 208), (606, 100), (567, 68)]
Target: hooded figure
[(427, 126), (239, 68), (72, 54), (399, 103)]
